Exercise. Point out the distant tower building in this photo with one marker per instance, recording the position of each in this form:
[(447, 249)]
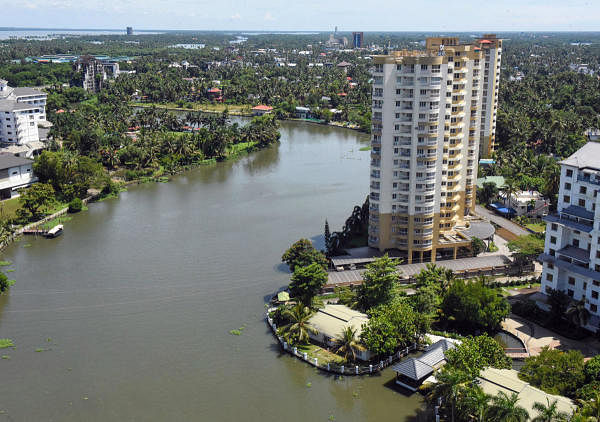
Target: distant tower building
[(92, 72), (129, 30), (432, 110), (357, 39)]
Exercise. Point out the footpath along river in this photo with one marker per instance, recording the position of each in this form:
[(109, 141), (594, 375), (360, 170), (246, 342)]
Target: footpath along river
[(127, 315)]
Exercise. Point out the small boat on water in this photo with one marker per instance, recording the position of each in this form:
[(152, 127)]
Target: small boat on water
[(55, 231)]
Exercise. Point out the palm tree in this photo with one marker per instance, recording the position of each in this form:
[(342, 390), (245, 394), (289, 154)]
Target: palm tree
[(578, 313), (477, 403), (450, 386), (549, 412), (509, 189), (346, 343), (297, 331), (504, 409), (591, 408)]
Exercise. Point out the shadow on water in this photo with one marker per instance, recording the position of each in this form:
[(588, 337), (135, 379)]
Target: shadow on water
[(282, 267), (260, 161)]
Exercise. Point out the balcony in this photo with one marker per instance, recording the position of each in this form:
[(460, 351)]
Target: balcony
[(589, 178), (583, 225)]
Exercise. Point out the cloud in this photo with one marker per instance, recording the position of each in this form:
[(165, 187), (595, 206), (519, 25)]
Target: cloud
[(236, 17), (269, 17)]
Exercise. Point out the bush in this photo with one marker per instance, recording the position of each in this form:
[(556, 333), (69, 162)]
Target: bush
[(75, 205)]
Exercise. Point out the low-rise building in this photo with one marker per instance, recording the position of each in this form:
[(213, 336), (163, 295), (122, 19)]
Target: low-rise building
[(571, 258), (261, 110), (493, 381), (530, 203), (303, 113), (15, 173), (331, 320)]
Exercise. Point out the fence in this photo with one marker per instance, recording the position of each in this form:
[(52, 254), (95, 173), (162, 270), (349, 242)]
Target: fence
[(337, 369)]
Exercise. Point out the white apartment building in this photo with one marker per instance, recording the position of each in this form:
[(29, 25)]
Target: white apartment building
[(571, 257), (427, 128), (21, 111), (15, 173)]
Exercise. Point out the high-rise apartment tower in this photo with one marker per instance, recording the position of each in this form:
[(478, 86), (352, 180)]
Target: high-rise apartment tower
[(433, 113)]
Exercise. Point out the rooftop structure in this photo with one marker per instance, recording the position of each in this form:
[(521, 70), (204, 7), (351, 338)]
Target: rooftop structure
[(571, 258), (433, 114), (494, 381), (331, 320), (411, 372)]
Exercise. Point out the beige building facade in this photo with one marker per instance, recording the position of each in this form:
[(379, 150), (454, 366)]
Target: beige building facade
[(427, 117)]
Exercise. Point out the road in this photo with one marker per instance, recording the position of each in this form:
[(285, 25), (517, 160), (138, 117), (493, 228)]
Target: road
[(501, 221)]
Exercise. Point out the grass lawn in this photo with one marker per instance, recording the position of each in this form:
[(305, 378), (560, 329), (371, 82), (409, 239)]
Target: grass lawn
[(323, 356), (215, 108), (536, 227), (9, 207)]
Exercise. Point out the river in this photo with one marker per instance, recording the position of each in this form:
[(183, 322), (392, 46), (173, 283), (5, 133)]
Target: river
[(127, 315)]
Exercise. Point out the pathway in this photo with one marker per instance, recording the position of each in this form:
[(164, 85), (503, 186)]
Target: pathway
[(536, 337), (500, 221)]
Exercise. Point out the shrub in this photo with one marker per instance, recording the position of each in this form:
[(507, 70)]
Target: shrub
[(75, 205)]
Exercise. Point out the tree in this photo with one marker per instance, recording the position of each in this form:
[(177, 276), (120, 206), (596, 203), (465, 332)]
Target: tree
[(390, 327), (504, 408), (4, 282), (471, 306), (476, 353), (298, 328), (346, 343), (559, 302), (378, 280), (328, 249), (549, 412), (554, 371), (592, 369), (475, 404), (38, 196), (477, 246), (591, 408), (450, 387), (303, 253), (487, 193), (578, 314), (307, 282), (346, 296)]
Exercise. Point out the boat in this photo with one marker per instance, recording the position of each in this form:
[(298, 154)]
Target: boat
[(55, 231)]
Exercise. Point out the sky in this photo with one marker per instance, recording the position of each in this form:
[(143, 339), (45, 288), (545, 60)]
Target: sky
[(307, 15)]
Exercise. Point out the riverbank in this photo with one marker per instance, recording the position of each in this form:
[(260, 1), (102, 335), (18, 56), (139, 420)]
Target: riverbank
[(242, 111)]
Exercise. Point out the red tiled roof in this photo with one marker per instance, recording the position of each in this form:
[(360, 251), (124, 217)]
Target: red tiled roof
[(348, 78), (485, 42), (214, 90), (262, 107), (60, 111), (342, 94)]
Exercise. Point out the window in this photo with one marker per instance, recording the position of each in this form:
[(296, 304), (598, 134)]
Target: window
[(569, 173), (549, 277), (550, 265), (570, 293), (553, 240), (594, 308), (424, 67), (576, 243), (554, 227), (566, 198), (567, 186), (571, 281), (582, 190), (582, 203)]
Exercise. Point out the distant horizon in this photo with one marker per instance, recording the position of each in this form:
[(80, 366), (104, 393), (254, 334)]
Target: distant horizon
[(447, 31), (310, 15)]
